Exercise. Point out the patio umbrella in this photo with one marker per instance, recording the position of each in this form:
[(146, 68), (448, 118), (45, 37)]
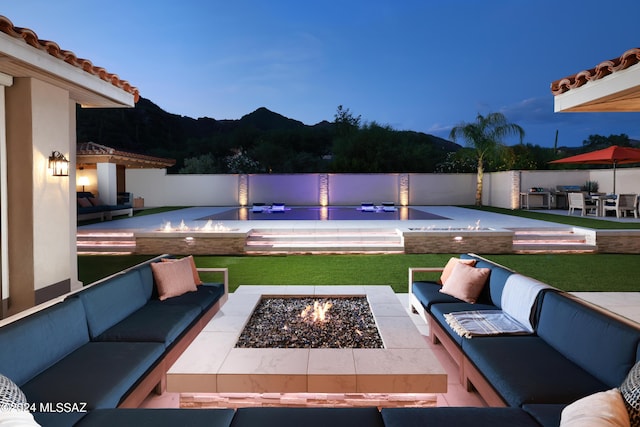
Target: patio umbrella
[(613, 155)]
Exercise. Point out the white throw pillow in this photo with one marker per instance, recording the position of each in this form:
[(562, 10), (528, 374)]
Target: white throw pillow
[(603, 409)]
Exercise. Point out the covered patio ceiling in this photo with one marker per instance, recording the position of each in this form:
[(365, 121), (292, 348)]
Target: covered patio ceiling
[(611, 86), (90, 153)]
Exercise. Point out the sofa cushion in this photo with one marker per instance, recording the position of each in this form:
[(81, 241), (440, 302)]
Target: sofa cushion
[(146, 281), (492, 294), (205, 296), (98, 374), (428, 293), (448, 268), (157, 417), (307, 417), (630, 390), (173, 278), (547, 415), (603, 409), (525, 369), (60, 329), (109, 302), (466, 282), (459, 417), (598, 343), (154, 322), (439, 310)]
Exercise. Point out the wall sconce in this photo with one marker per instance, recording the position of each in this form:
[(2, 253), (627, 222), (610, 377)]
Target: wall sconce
[(58, 164), (83, 180)]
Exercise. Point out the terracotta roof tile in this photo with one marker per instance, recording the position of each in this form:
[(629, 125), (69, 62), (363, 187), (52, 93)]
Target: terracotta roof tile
[(603, 69), (90, 151), (52, 48)]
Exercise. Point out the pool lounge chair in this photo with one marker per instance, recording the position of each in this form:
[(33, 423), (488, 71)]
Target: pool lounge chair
[(388, 206), (367, 207), (277, 207)]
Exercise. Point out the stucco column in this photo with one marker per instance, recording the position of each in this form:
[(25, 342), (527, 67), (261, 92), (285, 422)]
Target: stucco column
[(5, 81), (108, 183)]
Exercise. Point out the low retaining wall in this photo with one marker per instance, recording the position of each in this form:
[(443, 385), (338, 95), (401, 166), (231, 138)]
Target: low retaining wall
[(185, 243), (618, 241), (462, 241)]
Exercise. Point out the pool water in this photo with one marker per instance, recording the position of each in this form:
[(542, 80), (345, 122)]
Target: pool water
[(322, 214)]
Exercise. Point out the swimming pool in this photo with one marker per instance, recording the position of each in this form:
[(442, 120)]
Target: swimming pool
[(333, 213)]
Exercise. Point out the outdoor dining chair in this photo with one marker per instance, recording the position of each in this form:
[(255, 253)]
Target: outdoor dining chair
[(624, 204), (578, 201)]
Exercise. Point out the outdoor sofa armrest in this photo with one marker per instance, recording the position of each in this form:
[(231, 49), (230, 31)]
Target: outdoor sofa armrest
[(413, 270), (223, 270)]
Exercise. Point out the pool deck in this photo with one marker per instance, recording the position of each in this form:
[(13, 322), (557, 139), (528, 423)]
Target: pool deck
[(458, 218)]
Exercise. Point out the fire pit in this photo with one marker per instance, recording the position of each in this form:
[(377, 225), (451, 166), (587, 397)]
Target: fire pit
[(345, 322), (215, 363)]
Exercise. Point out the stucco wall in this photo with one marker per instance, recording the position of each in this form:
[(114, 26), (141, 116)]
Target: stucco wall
[(50, 193), (442, 189), (501, 189), (159, 189), (291, 189)]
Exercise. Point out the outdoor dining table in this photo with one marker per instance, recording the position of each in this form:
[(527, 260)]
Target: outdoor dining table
[(600, 200)]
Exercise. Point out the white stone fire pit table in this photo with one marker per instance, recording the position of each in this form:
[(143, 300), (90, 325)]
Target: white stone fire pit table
[(212, 364)]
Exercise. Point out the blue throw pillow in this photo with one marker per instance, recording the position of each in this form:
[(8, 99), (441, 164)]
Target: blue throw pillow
[(630, 390)]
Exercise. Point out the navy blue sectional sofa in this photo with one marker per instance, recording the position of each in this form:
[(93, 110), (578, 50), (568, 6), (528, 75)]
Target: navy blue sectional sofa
[(108, 345), (575, 350)]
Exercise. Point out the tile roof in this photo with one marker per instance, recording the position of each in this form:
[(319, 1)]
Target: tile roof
[(52, 48), (624, 61), (90, 152)]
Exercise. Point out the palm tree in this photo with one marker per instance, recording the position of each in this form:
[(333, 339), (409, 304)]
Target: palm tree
[(485, 137)]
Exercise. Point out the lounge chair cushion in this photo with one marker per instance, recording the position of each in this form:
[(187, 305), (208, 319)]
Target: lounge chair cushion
[(466, 282), (173, 278)]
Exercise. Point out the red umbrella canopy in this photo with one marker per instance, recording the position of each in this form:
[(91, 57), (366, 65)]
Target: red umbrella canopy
[(613, 155)]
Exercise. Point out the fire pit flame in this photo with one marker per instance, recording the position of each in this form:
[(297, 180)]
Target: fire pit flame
[(318, 313)]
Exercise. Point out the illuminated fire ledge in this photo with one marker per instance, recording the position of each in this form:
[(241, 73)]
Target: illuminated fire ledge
[(212, 364), (229, 242)]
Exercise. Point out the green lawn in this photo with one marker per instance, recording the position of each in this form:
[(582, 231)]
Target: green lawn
[(570, 272)]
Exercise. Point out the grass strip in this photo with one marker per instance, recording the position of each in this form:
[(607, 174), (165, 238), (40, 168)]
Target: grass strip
[(569, 272)]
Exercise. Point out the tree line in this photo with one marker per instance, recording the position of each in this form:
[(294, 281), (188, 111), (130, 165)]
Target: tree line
[(267, 142)]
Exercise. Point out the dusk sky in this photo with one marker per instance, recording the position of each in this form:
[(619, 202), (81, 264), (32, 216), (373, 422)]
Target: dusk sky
[(411, 64)]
